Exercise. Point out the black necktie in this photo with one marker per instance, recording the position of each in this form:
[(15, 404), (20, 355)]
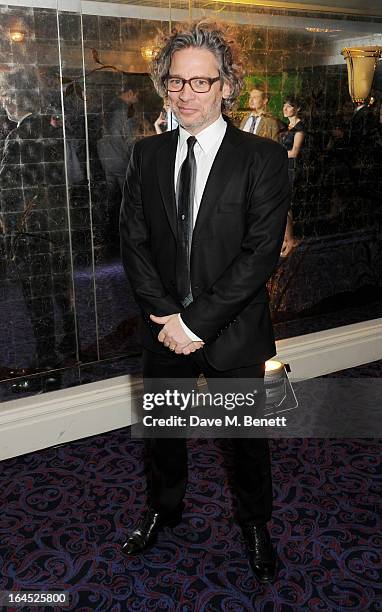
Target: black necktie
[(253, 124), (185, 202)]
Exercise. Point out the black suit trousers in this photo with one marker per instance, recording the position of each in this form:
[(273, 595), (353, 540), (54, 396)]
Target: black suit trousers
[(168, 456)]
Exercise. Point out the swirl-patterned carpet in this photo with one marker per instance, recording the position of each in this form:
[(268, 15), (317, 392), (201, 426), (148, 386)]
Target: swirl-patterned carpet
[(65, 511)]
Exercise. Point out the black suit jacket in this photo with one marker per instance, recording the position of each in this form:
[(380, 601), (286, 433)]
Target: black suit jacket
[(235, 247)]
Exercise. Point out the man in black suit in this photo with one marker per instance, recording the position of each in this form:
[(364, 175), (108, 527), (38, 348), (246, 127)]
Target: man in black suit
[(202, 224), (33, 239)]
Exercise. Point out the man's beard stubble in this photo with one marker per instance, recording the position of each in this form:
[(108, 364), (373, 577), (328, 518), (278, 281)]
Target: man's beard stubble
[(204, 121)]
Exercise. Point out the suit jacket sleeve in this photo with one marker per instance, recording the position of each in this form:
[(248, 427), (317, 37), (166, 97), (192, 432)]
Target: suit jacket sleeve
[(274, 131), (249, 271), (146, 284)]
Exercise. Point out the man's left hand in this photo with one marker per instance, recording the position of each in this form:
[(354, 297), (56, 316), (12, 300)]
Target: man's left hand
[(172, 334)]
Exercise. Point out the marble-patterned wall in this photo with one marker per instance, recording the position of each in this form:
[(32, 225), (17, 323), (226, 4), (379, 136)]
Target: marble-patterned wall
[(37, 306), (75, 95)]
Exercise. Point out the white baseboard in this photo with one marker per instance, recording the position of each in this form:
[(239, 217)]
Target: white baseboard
[(331, 350), (58, 417)]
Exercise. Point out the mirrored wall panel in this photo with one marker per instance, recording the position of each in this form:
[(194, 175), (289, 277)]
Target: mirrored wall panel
[(76, 95)]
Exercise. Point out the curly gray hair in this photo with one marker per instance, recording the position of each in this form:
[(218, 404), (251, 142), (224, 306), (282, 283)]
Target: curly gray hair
[(205, 34)]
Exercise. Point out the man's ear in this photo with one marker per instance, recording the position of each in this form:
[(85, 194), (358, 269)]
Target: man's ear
[(227, 89)]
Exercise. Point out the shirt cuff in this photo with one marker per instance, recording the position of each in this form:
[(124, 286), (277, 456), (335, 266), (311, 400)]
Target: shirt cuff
[(189, 333)]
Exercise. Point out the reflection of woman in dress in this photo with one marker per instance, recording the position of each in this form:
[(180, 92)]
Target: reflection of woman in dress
[(293, 137)]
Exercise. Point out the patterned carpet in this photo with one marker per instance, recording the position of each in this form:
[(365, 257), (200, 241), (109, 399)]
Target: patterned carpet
[(65, 511)]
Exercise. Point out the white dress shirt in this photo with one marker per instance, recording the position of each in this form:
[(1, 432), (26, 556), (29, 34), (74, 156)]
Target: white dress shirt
[(207, 145), (248, 124), (172, 123)]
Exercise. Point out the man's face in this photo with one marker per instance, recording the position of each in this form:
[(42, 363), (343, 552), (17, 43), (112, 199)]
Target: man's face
[(130, 96), (196, 111), (8, 102), (257, 101)]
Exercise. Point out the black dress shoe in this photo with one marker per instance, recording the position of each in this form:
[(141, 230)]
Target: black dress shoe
[(144, 533), (261, 554)]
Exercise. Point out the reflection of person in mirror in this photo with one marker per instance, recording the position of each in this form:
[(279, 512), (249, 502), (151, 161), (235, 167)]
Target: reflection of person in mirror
[(365, 127), (260, 122), (31, 169), (365, 144), (292, 139), (120, 128), (202, 223), (5, 127), (166, 120), (74, 139)]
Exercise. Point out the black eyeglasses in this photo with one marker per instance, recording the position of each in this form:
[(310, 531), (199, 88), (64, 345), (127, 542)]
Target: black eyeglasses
[(197, 84)]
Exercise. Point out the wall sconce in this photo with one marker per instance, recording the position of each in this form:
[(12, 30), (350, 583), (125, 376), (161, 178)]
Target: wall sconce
[(147, 53), (17, 36), (361, 63)]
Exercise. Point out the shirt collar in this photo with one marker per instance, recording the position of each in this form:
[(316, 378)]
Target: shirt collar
[(22, 119), (207, 137)]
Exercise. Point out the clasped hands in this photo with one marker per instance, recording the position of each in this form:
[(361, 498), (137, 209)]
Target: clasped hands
[(173, 336)]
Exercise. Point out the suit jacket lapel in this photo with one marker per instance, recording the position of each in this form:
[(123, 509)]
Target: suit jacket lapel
[(165, 158), (219, 176), (260, 129), (244, 121)]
